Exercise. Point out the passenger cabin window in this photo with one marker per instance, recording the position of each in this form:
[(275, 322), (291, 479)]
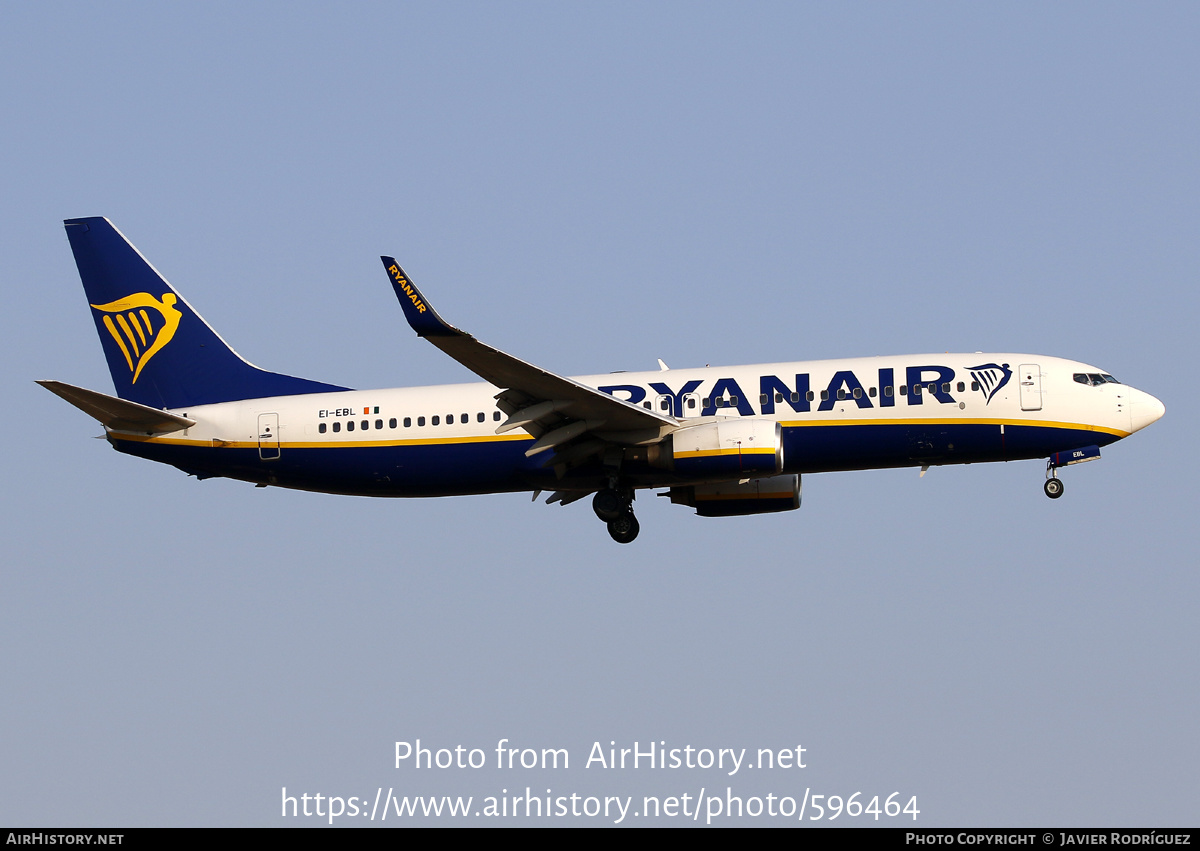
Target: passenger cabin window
[(321, 428), (366, 424), (479, 417), (961, 387), (435, 420), (974, 386), (392, 422), (496, 416), (858, 393), (824, 395), (350, 425), (449, 419), (420, 421), (337, 427), (871, 392), (810, 396), (465, 418), (408, 422), (887, 391), (379, 423)]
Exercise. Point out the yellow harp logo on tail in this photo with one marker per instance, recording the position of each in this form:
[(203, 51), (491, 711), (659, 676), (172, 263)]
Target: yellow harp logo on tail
[(140, 333)]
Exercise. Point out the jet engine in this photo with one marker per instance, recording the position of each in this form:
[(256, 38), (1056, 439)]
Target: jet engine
[(733, 448)]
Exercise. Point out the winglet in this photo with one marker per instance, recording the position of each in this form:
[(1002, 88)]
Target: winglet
[(419, 313)]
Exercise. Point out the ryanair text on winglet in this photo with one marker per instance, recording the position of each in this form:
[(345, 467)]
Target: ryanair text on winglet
[(408, 290)]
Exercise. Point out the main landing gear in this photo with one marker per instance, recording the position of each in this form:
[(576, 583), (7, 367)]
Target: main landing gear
[(615, 507), (1054, 486)]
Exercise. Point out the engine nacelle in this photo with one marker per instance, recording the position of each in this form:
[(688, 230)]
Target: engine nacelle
[(757, 496), (733, 448)]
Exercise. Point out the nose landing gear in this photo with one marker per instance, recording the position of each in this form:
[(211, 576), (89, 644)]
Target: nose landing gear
[(1054, 487)]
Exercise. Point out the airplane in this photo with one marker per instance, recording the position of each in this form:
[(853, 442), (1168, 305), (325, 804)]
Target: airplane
[(725, 441)]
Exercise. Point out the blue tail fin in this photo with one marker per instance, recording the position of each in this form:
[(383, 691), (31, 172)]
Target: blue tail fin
[(160, 352)]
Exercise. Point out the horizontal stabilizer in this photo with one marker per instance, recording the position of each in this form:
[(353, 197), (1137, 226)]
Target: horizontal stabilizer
[(119, 414)]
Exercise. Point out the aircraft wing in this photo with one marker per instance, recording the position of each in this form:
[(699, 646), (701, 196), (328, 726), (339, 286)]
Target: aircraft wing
[(553, 408)]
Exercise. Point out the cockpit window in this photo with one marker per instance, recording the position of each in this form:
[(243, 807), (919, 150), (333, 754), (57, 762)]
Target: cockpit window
[(1094, 379)]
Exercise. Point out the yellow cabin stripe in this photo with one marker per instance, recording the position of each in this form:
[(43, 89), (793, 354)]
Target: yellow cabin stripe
[(329, 444), (964, 421), (435, 441)]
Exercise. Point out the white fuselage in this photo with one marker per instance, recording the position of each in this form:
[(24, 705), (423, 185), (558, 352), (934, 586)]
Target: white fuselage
[(835, 414)]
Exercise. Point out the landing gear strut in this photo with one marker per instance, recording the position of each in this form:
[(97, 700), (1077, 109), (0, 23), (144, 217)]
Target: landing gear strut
[(1054, 486), (615, 507)]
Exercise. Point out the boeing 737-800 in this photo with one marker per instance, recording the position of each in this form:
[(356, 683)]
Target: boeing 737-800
[(723, 440)]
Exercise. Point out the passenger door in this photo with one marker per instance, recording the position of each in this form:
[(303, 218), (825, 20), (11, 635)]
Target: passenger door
[(1030, 375), (268, 436)]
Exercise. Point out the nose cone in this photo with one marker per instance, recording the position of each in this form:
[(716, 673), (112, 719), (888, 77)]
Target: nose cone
[(1145, 410)]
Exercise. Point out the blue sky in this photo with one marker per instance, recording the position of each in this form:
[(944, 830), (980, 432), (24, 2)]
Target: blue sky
[(592, 187)]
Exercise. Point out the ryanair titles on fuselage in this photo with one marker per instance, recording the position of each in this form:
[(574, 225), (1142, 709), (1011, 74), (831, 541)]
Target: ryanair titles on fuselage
[(933, 381)]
